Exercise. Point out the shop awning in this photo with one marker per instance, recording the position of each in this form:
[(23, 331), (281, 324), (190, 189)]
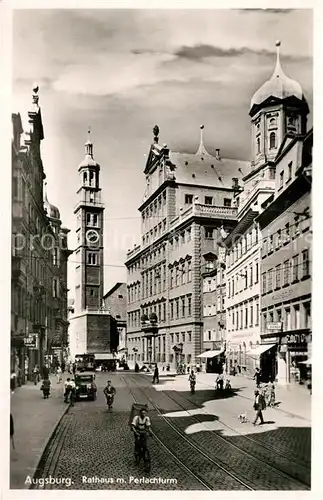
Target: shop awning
[(307, 362), (260, 349), (210, 354)]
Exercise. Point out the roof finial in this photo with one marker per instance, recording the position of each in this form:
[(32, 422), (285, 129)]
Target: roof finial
[(88, 144), (156, 134), (201, 150), (278, 68)]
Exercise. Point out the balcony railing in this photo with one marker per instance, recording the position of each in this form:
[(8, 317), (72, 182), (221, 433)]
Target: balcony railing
[(134, 251), (215, 211)]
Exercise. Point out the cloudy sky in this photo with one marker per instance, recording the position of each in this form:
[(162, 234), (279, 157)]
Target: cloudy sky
[(123, 71)]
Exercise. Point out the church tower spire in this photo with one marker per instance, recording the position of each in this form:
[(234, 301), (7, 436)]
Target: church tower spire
[(89, 235)]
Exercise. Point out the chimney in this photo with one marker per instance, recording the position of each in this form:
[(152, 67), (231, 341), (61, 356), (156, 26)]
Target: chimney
[(217, 154)]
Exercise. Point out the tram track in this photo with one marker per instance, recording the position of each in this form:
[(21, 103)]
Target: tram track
[(242, 485), (276, 476), (262, 448)]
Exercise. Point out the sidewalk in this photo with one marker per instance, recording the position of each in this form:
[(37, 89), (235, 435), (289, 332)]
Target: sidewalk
[(294, 400), (35, 419)]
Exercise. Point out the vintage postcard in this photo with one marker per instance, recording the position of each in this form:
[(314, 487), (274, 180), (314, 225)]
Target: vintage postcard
[(161, 248)]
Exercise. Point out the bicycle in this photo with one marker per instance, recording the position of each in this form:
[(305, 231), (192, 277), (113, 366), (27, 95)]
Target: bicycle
[(70, 396), (142, 452)]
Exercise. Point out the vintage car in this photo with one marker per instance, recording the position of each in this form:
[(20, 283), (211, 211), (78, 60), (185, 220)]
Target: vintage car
[(85, 386)]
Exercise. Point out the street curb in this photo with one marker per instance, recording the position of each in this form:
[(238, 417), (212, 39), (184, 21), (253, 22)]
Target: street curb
[(60, 418)]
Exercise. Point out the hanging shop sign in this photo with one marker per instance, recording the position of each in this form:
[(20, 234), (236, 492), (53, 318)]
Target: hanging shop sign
[(31, 341)]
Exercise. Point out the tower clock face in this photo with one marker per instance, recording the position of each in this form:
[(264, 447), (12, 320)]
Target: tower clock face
[(92, 236)]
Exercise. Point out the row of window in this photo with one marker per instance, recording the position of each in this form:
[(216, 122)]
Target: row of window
[(245, 243), (154, 281), (176, 338), (243, 316), (181, 307), (292, 317), (180, 239), (283, 236), (93, 258), (208, 200), (272, 142), (180, 274), (90, 178), (154, 232), (212, 336), (290, 271), (155, 207), (154, 256), (245, 278)]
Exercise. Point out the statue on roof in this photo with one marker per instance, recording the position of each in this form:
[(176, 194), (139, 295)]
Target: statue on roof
[(156, 133)]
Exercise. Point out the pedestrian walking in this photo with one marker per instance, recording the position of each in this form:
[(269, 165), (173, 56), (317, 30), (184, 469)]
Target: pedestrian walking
[(19, 377), (36, 374), (63, 366), (272, 398), (219, 382), (259, 405), (13, 381), (74, 368), (59, 374), (12, 431), (156, 375), (45, 387), (257, 377)]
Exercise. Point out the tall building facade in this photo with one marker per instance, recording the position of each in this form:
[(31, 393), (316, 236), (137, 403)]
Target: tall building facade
[(278, 111), (90, 323), (214, 316), (39, 255), (286, 255), (187, 203)]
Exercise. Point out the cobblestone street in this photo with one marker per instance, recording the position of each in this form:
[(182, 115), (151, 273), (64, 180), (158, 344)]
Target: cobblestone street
[(198, 443)]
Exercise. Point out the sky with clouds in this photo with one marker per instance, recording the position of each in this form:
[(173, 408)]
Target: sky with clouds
[(123, 71)]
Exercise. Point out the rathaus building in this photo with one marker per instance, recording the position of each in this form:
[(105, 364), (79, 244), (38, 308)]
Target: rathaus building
[(186, 211)]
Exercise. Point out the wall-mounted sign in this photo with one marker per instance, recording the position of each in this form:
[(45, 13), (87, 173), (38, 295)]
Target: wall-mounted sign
[(274, 325), (297, 338)]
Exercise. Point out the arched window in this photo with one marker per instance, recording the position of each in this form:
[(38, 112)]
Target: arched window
[(92, 179), (272, 140), (258, 145), (85, 178)]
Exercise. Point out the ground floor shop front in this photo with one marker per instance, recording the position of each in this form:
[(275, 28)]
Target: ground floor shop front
[(293, 356)]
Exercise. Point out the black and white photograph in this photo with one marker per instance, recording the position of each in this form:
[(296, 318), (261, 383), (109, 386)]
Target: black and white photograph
[(161, 249)]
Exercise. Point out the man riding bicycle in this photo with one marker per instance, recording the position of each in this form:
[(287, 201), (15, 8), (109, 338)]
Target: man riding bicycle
[(70, 389), (141, 428), (109, 392)]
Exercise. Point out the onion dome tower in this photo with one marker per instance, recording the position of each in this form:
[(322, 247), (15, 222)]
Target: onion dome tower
[(277, 108)]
